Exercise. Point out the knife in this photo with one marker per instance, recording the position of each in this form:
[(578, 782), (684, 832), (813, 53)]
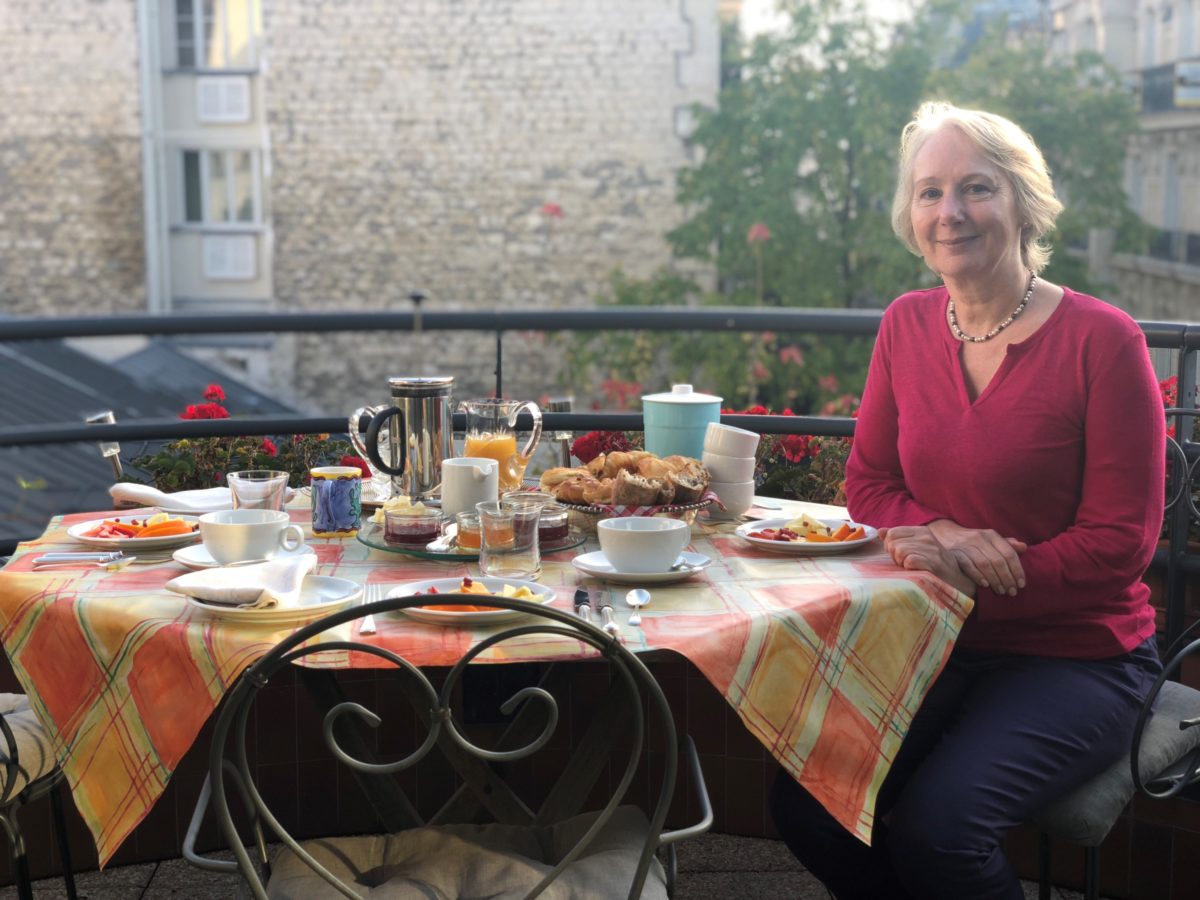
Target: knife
[(66, 556), (583, 605)]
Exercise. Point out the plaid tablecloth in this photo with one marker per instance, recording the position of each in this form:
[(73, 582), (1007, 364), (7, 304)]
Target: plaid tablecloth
[(825, 659)]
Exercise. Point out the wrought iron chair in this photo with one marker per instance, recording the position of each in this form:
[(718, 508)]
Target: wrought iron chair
[(30, 773), (521, 851), (1166, 741)]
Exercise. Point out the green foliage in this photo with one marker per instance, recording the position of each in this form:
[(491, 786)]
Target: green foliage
[(803, 141)]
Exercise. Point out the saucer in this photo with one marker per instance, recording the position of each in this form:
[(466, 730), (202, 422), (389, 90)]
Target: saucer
[(197, 556), (319, 595), (597, 565)]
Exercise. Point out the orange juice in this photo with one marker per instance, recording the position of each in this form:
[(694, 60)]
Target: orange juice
[(503, 449)]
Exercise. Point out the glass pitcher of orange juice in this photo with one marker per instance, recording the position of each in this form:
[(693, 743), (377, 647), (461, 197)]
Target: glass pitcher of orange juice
[(492, 433)]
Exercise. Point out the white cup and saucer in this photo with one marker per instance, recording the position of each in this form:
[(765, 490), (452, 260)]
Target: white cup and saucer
[(239, 536), (642, 550)]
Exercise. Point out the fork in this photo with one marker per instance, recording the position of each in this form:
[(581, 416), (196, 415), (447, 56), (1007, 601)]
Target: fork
[(371, 593)]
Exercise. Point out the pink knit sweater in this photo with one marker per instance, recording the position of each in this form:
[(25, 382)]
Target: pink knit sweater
[(1064, 450)]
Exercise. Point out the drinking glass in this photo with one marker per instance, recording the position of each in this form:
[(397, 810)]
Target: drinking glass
[(258, 488), (510, 540)]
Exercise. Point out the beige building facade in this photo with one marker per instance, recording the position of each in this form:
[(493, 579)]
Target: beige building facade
[(1156, 44), (206, 156)]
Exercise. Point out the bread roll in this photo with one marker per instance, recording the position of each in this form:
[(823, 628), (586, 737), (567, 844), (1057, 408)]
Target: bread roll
[(600, 492), (635, 490), (687, 488)]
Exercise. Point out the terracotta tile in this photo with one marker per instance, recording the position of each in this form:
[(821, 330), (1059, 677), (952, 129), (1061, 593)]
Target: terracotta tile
[(317, 799), (275, 714), (279, 786), (739, 742), (713, 768), (706, 717), (745, 797)]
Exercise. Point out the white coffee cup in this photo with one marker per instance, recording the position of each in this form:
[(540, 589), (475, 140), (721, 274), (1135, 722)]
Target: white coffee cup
[(236, 535), (737, 496), (642, 544), (467, 480), (730, 441), (728, 468)]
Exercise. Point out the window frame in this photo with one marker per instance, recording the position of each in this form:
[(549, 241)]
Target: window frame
[(206, 223), (199, 41)]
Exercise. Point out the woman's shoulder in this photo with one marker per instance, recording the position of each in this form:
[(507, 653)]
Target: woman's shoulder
[(1097, 318), (917, 306)]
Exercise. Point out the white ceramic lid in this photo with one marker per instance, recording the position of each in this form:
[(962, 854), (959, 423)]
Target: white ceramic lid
[(681, 393)]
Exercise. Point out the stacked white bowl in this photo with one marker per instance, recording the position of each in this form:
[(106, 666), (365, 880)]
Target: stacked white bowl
[(729, 457)]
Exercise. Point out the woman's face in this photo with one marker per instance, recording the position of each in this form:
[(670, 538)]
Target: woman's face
[(964, 215)]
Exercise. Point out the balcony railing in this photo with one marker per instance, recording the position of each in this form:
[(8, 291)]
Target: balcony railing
[(1181, 338)]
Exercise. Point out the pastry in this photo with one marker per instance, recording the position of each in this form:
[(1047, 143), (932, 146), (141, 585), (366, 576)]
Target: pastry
[(635, 490)]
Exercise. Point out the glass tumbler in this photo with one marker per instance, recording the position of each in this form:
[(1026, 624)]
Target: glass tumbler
[(510, 540), (258, 488)]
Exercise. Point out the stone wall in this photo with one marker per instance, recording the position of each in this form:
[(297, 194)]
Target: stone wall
[(416, 146), (1156, 290), (70, 158)]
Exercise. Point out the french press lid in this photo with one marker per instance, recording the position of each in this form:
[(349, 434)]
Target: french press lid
[(423, 386)]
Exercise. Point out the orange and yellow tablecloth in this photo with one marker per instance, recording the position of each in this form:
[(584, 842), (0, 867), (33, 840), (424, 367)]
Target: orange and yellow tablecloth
[(825, 659)]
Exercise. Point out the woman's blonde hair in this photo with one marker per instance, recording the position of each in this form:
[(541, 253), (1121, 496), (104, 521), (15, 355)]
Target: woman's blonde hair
[(1007, 147)]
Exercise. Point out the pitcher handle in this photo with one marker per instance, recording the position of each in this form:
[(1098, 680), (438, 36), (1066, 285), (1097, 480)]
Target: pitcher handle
[(536, 413), (360, 421), (372, 441)]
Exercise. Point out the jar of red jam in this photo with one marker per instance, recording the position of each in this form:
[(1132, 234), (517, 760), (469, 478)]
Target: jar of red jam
[(552, 525), (411, 530)]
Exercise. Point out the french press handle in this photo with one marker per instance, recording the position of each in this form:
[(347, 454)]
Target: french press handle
[(372, 441)]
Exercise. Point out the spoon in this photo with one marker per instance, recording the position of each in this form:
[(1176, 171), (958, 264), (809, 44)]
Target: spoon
[(636, 599)]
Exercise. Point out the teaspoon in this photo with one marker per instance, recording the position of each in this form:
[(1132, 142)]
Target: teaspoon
[(636, 599)]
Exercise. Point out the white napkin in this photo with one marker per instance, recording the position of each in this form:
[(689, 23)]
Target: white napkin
[(201, 501), (275, 582)]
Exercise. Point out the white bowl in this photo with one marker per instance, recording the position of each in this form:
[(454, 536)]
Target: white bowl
[(738, 496), (642, 544), (728, 468), (730, 441)]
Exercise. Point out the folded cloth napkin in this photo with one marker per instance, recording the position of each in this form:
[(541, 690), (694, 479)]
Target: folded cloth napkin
[(275, 582), (202, 501)]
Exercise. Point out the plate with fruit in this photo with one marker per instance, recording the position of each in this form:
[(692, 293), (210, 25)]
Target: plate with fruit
[(476, 613), (135, 533), (806, 535)]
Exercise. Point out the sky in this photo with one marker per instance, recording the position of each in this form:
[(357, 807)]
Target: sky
[(761, 15)]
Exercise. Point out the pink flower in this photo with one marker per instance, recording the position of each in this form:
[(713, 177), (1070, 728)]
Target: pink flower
[(828, 383), (759, 233), (205, 411), (795, 447), (269, 448), (620, 392), (552, 211), (759, 371), (214, 393), (792, 354)]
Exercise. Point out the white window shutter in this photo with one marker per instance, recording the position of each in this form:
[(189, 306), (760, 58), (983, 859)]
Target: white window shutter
[(224, 99), (230, 257)]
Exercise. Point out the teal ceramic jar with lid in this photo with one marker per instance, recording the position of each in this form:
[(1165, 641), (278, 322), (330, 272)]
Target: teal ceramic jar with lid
[(675, 422)]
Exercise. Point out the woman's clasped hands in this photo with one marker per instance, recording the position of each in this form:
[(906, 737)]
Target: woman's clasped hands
[(965, 558)]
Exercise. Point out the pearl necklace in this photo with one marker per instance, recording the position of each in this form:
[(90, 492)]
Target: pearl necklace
[(963, 336)]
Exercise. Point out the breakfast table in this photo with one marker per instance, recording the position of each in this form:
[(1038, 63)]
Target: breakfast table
[(825, 659)]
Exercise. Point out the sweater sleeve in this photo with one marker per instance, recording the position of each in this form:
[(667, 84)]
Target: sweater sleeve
[(875, 489), (1112, 539)]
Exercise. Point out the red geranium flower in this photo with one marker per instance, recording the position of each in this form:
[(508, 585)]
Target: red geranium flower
[(356, 462), (759, 233), (269, 448), (214, 393), (205, 411)]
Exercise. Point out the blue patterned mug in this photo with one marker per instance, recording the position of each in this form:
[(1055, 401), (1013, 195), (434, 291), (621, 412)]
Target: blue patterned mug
[(336, 501)]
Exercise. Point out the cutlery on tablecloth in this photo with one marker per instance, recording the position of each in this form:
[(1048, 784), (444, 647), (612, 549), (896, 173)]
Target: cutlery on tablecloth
[(635, 600), (112, 564), (583, 605), (606, 616), (371, 593)]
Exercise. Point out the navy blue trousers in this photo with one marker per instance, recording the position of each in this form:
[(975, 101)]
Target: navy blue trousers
[(997, 738)]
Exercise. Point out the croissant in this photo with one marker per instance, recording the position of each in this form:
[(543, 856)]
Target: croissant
[(620, 459), (596, 466), (574, 489), (653, 467), (551, 478), (599, 492)]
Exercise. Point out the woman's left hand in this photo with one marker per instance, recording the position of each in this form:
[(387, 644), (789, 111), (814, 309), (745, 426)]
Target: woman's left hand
[(915, 547)]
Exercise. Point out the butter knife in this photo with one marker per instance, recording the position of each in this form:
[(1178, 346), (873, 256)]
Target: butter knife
[(583, 605)]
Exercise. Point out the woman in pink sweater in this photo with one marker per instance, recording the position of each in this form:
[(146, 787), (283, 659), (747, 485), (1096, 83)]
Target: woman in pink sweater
[(1011, 441)]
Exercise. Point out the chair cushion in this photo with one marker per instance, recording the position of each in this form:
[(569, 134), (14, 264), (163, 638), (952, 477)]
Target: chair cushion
[(34, 757), (492, 861), (1085, 815)]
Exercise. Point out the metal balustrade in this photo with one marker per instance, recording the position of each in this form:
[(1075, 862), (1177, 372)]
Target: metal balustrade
[(1181, 338)]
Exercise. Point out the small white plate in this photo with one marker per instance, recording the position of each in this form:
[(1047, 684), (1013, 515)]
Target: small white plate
[(197, 556), (597, 565), (802, 547), (133, 545), (319, 596), (467, 619)]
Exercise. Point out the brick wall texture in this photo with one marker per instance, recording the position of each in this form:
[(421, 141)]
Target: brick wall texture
[(70, 158), (413, 146)]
